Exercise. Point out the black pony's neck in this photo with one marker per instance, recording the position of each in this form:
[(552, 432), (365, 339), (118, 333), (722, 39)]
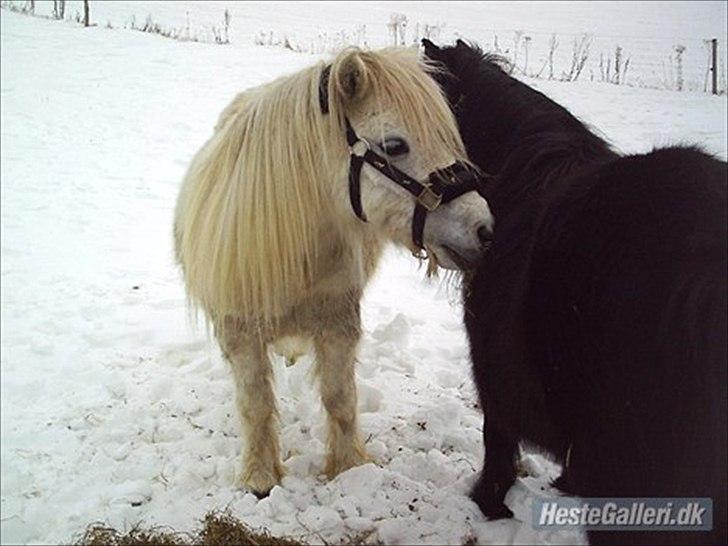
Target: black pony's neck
[(512, 130)]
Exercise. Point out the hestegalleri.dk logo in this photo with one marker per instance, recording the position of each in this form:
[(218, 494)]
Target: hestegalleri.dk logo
[(624, 514)]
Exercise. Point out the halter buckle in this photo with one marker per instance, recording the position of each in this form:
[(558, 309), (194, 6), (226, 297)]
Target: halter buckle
[(429, 198), (360, 147), (420, 254)]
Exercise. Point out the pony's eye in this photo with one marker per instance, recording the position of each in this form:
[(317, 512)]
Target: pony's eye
[(394, 146)]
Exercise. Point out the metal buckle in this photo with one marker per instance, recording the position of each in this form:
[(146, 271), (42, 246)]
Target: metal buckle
[(420, 254), (360, 147), (429, 198)]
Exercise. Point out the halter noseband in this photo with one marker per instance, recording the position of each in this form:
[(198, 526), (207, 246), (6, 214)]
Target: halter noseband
[(442, 186)]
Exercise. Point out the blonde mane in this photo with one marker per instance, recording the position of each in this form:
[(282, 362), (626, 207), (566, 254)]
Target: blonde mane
[(256, 201)]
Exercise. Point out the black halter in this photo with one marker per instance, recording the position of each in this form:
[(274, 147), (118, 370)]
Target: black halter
[(442, 185)]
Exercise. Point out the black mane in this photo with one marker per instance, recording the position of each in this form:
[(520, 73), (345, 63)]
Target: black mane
[(597, 320), (509, 127)]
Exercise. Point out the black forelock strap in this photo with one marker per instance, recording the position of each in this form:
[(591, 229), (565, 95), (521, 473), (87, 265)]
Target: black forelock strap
[(324, 89), (356, 162), (351, 136), (455, 180)]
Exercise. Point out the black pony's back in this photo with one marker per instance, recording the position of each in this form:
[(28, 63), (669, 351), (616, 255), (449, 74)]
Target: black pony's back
[(597, 321), (627, 316)]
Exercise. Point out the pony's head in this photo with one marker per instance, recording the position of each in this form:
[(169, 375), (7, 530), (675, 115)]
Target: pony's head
[(398, 110), (461, 65), (269, 192)]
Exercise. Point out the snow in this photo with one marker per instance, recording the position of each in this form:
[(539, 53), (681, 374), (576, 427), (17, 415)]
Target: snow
[(117, 407)]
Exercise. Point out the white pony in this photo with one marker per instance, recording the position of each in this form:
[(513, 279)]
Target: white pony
[(270, 247)]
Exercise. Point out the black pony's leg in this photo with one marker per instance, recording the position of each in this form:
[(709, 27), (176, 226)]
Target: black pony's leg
[(499, 472)]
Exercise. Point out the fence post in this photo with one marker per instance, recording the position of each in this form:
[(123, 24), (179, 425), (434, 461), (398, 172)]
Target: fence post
[(714, 63)]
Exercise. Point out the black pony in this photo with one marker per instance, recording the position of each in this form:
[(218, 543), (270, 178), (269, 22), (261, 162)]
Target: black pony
[(597, 321)]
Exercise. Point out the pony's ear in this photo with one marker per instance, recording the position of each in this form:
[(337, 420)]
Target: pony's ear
[(351, 78), (460, 43), (430, 47)]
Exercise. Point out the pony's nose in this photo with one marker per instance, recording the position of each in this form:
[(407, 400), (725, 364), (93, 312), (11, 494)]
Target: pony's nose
[(485, 236)]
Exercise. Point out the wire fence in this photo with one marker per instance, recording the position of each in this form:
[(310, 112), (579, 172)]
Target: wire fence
[(661, 62), (679, 63)]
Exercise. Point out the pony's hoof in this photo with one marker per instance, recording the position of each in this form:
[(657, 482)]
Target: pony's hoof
[(495, 510), (499, 512), (261, 495), (492, 508), (259, 482), (337, 465)]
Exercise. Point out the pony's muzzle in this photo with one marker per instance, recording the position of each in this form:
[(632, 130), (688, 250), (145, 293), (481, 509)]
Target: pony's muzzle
[(460, 232), (485, 235)]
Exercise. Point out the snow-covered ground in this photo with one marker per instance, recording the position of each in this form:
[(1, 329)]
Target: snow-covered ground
[(116, 407)]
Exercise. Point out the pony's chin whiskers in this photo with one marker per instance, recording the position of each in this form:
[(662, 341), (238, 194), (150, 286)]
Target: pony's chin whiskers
[(433, 266), (451, 280)]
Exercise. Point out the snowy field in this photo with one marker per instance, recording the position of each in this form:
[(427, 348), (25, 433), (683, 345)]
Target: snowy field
[(117, 408)]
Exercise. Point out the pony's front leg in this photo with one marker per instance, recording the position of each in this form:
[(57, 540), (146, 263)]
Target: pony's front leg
[(335, 346), (262, 468), (499, 471)]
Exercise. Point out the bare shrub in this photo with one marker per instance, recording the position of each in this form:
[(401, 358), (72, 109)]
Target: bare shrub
[(221, 34), (496, 46), (579, 56), (680, 82), (218, 34), (59, 8), (324, 42), (553, 46), (526, 45), (397, 27), (431, 32), (517, 35)]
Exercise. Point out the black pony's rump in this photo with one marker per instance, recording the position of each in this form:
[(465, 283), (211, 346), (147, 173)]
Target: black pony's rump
[(597, 321)]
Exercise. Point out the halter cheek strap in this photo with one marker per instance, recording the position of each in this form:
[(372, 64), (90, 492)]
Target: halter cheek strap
[(356, 162)]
